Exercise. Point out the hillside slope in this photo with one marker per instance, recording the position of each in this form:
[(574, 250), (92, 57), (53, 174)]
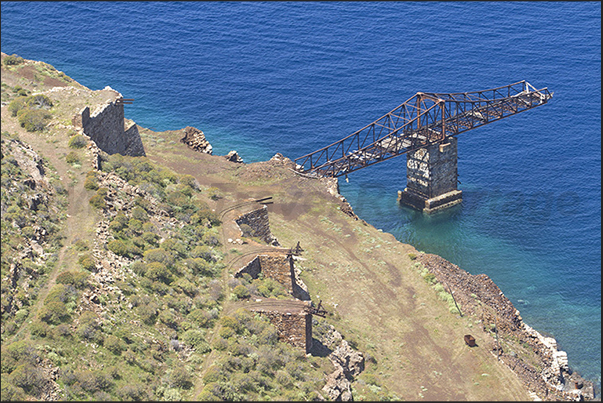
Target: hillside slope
[(123, 286)]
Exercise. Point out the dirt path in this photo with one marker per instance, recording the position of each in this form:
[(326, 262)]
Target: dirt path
[(80, 218)]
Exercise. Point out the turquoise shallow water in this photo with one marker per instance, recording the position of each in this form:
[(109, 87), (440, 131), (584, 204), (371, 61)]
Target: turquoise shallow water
[(291, 77)]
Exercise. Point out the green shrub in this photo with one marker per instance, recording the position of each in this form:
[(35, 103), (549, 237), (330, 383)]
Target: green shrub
[(139, 213), (199, 266), (118, 247), (148, 313), (81, 245), (39, 329), (226, 332), (174, 246), (29, 378), (139, 268), (54, 313), (33, 119), (115, 226), (135, 225), (241, 292), (16, 105), (11, 393), (199, 317), (159, 255), (133, 391), (412, 256), (78, 141), (189, 180), (186, 287), (91, 183), (88, 327), (150, 238), (159, 272), (168, 318), (230, 322), (181, 378), (87, 262), (39, 102), (98, 201), (114, 344), (93, 381), (204, 252), (196, 339), (214, 374), (13, 60), (61, 331), (72, 158), (454, 310), (76, 278), (121, 218)]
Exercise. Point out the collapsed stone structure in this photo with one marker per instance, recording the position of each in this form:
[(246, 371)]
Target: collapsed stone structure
[(108, 129)]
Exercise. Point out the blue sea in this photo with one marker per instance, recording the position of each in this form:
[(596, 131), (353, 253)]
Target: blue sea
[(291, 77)]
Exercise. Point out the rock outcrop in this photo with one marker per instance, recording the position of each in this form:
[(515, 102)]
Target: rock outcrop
[(233, 156), (195, 139)]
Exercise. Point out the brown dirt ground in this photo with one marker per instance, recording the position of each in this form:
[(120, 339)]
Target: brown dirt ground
[(363, 276)]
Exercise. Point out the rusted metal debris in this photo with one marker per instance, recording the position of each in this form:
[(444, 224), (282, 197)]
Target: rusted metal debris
[(295, 251), (317, 310), (122, 101), (470, 340), (425, 118)]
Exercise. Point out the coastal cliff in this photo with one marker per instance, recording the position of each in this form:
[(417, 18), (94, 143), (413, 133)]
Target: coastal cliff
[(141, 256)]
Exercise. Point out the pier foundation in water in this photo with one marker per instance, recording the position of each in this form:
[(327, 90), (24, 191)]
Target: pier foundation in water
[(432, 177)]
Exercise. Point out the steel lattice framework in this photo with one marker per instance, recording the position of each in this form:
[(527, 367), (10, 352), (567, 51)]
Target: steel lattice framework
[(424, 119)]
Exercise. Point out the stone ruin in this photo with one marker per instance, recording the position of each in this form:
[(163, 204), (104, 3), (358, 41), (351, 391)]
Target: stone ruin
[(107, 128), (255, 224), (279, 267), (292, 319)]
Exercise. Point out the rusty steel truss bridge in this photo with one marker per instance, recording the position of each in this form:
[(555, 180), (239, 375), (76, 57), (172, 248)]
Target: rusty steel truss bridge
[(424, 119)]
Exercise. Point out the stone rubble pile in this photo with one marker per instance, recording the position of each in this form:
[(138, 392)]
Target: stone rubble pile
[(348, 363)]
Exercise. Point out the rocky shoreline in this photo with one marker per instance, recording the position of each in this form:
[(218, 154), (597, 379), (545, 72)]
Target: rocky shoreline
[(547, 376)]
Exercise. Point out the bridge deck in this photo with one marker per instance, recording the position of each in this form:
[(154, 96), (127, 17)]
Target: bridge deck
[(424, 119)]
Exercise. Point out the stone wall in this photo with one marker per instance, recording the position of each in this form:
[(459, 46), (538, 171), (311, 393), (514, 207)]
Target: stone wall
[(107, 128), (280, 268), (252, 268), (292, 328), (257, 220)]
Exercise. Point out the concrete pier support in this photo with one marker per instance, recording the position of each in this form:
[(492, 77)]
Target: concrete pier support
[(431, 174)]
